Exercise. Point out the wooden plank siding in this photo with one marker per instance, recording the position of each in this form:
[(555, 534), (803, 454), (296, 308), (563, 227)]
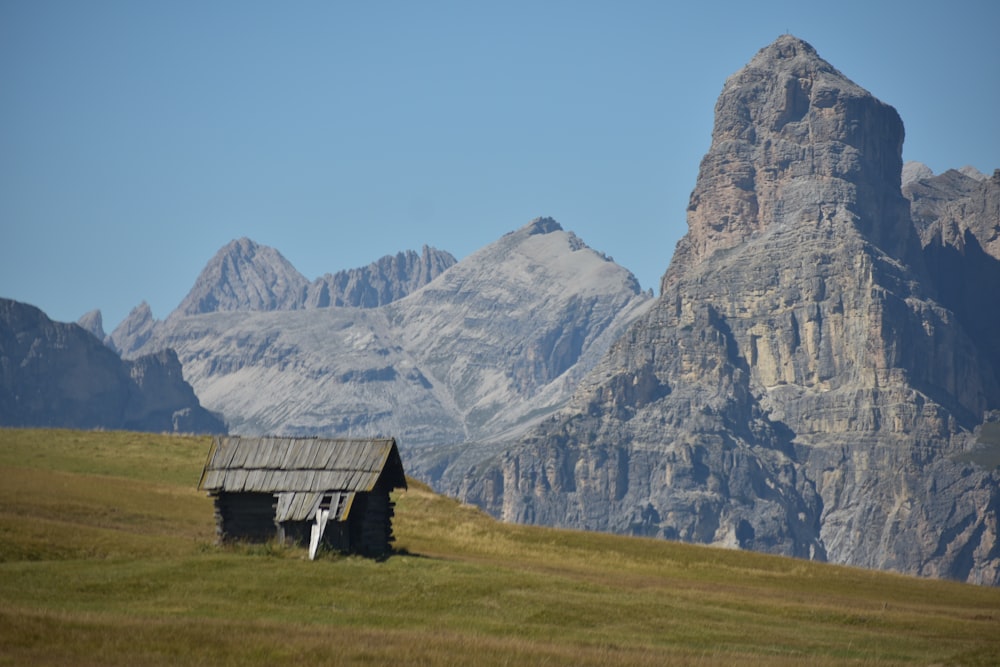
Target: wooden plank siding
[(271, 487)]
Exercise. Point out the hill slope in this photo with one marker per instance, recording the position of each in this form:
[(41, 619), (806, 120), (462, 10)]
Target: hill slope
[(118, 569)]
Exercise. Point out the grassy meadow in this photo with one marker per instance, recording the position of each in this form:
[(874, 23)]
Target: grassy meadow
[(107, 557)]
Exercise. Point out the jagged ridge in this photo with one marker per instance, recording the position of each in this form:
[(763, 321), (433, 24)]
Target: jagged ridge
[(491, 344)]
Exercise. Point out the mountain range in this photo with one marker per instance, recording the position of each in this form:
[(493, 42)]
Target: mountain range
[(819, 377), (439, 354)]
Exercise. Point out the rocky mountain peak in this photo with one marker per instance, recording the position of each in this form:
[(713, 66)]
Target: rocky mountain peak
[(93, 322), (134, 331), (915, 171), (789, 51), (797, 143), (243, 276), (542, 225)]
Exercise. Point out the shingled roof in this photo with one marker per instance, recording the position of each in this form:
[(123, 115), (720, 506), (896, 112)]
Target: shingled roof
[(300, 471)]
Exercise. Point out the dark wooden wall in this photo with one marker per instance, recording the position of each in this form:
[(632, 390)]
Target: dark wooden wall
[(245, 516), (250, 517), (371, 523)]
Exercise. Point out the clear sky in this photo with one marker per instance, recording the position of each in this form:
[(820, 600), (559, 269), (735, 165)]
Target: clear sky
[(138, 138)]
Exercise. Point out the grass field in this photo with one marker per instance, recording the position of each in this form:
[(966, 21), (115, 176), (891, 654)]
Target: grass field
[(107, 558)]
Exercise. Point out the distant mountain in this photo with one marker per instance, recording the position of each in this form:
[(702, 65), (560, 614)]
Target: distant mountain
[(957, 216), (488, 346), (798, 388), (244, 276), (94, 323), (56, 374), (945, 207), (386, 280), (973, 173), (133, 332), (915, 171)]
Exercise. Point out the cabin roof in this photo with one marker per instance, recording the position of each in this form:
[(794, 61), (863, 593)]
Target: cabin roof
[(304, 467)]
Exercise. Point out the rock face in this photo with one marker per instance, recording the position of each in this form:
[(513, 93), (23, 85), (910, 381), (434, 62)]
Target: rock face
[(796, 142), (488, 347), (55, 374), (946, 207), (958, 218), (510, 331), (134, 331), (94, 323), (164, 400), (245, 276), (797, 388), (384, 281), (915, 171)]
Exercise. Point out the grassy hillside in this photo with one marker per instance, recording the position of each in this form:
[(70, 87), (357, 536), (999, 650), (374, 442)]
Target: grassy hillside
[(107, 558)]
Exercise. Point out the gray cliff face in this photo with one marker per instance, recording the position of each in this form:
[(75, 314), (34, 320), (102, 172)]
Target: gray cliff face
[(386, 280), (488, 347), (56, 374), (796, 389), (664, 440)]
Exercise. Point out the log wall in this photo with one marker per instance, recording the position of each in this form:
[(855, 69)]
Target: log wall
[(251, 517), (371, 523), (245, 516)]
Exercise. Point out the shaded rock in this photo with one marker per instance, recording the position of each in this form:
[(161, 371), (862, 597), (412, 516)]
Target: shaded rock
[(163, 400), (958, 218), (59, 375), (390, 278)]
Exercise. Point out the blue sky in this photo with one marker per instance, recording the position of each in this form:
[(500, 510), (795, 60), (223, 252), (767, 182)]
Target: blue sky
[(137, 138)]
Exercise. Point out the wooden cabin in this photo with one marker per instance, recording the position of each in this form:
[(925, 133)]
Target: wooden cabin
[(315, 491)]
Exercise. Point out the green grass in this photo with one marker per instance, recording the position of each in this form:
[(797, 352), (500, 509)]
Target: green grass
[(107, 558)]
